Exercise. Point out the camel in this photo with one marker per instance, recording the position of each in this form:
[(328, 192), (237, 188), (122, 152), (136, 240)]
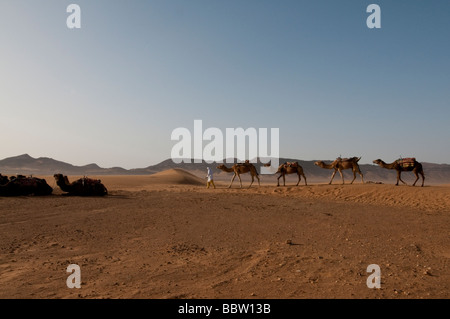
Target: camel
[(404, 165), (81, 187), (3, 179), (23, 186), (239, 169), (340, 164), (289, 168)]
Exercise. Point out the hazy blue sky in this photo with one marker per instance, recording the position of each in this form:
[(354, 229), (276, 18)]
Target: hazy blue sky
[(113, 91)]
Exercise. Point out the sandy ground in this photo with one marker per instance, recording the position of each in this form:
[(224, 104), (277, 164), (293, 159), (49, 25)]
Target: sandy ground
[(166, 237)]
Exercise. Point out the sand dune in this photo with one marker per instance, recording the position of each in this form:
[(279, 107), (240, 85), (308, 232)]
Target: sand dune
[(176, 176), (171, 177)]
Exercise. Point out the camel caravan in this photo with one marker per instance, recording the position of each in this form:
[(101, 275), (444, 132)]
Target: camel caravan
[(338, 165), (23, 186)]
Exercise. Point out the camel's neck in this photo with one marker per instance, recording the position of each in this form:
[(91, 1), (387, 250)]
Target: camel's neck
[(226, 169), (388, 166), (327, 166)]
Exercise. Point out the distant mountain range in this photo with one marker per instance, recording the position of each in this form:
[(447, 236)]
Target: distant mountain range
[(27, 165)]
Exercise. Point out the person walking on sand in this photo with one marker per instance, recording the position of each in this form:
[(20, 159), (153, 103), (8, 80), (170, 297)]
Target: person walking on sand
[(210, 178)]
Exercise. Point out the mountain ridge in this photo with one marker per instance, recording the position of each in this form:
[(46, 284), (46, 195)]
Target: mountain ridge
[(27, 165)]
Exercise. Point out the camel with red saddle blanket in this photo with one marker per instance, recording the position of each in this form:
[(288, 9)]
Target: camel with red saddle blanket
[(404, 165), (339, 164)]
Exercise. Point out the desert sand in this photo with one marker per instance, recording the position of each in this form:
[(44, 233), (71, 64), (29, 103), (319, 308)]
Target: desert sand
[(167, 236)]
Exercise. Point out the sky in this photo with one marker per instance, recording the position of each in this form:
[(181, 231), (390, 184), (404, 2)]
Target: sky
[(113, 91)]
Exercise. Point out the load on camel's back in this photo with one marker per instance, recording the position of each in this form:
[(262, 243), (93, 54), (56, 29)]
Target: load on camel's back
[(22, 186), (407, 162), (81, 187)]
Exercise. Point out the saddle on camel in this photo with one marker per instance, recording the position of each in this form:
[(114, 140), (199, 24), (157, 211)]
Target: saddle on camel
[(291, 164), (406, 162), (347, 159), (22, 186)]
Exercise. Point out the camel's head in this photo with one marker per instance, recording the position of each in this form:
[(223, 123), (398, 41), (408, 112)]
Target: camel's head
[(58, 177), (318, 163), (221, 166), (377, 161)]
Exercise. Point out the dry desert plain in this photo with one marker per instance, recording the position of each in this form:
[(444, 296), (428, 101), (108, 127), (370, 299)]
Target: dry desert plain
[(167, 236)]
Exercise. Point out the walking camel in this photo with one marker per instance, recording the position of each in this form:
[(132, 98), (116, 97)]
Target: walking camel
[(239, 169), (289, 168), (404, 165), (340, 164)]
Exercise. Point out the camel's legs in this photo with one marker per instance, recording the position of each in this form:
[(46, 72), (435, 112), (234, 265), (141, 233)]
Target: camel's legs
[(417, 172), (362, 176), (284, 179), (342, 176), (253, 179), (400, 178), (232, 180), (299, 179), (240, 181), (304, 177), (332, 176), (354, 177), (278, 180), (417, 177)]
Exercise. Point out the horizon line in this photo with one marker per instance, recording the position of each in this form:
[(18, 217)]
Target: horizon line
[(192, 161)]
